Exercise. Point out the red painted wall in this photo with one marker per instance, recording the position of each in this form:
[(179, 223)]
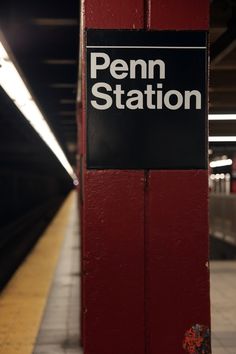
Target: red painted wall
[(145, 244)]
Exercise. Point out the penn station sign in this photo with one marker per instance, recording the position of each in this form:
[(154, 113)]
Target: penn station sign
[(152, 97), (146, 99)]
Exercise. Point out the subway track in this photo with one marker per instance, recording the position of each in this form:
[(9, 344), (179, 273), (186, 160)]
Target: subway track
[(18, 237)]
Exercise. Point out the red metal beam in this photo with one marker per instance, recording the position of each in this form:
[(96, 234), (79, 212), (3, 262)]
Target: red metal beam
[(113, 253), (177, 284), (177, 274), (145, 244), (178, 15)]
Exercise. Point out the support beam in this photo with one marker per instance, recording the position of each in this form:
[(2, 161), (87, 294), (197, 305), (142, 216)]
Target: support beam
[(145, 231), (113, 224), (177, 285)]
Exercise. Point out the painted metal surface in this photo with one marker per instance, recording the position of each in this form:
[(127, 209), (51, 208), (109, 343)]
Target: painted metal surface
[(177, 275), (177, 283), (114, 14), (113, 262), (178, 15), (113, 267), (145, 246), (113, 254)]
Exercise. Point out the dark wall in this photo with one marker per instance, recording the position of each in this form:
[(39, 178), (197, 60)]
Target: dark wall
[(21, 193), (30, 174)]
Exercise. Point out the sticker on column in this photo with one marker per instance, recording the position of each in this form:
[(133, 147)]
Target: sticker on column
[(197, 340)]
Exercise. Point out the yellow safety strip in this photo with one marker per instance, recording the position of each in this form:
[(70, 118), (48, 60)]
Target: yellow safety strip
[(23, 300)]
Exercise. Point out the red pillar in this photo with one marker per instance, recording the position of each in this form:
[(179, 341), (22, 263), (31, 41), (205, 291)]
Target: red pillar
[(145, 244), (177, 280), (113, 253)]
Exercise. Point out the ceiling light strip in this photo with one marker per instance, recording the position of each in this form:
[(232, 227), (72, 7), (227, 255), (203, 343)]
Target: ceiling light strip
[(222, 117), (222, 139), (14, 86), (221, 163)]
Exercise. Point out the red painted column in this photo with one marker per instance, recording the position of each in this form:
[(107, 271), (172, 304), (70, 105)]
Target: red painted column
[(80, 204), (176, 224), (113, 263), (145, 233), (113, 252)]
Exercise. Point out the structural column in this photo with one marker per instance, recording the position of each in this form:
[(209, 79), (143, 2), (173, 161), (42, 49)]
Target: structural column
[(176, 222), (145, 177), (113, 252)]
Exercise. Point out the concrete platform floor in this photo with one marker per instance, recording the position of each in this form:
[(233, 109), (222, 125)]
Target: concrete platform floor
[(223, 307), (60, 328)]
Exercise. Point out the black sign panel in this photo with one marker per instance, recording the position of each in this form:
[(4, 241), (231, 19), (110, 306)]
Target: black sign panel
[(146, 99)]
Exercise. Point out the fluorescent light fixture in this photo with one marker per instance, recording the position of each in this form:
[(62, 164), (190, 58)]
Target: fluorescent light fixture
[(15, 87), (221, 163), (222, 139), (222, 117)]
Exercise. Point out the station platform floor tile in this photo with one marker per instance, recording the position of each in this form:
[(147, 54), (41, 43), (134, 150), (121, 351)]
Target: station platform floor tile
[(223, 307), (60, 327)]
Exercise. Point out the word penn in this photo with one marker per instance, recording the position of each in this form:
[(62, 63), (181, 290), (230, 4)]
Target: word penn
[(152, 97)]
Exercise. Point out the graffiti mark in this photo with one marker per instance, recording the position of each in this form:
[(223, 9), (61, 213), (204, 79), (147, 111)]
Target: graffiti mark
[(197, 340)]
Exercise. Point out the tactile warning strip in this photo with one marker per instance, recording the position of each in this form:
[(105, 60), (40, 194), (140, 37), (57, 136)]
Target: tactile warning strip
[(23, 300)]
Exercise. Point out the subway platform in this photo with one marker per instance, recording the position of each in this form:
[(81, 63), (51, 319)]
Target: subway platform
[(223, 307), (39, 308)]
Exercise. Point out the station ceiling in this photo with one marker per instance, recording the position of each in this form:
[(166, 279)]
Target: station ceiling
[(44, 38), (222, 89)]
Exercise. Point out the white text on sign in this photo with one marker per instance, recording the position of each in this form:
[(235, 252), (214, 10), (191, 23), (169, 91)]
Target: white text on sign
[(152, 97)]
